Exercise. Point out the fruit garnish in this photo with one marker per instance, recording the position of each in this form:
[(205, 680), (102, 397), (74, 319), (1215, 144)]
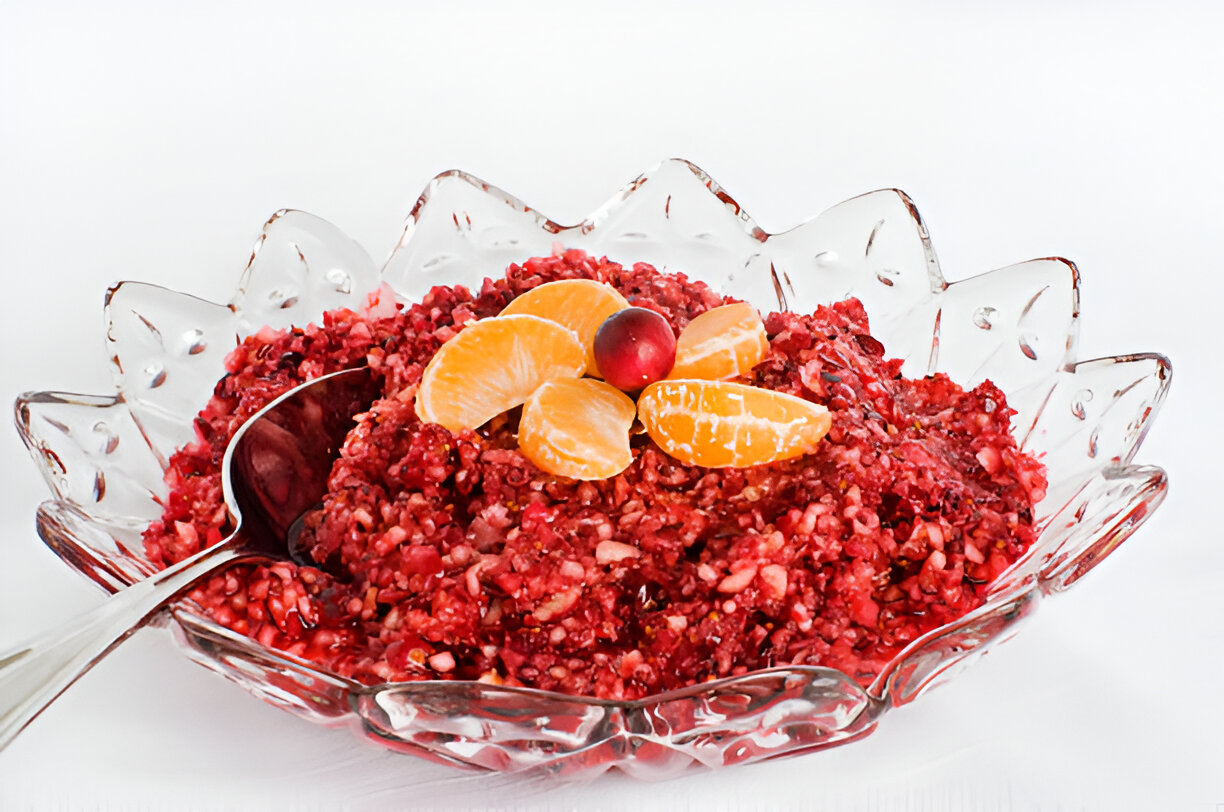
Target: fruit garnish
[(634, 347), (725, 342), (493, 365), (718, 424), (577, 427), (579, 304)]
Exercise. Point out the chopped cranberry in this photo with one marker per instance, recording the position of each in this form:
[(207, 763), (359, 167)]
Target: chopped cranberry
[(461, 560)]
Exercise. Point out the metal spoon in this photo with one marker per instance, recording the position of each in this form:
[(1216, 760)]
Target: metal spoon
[(274, 470)]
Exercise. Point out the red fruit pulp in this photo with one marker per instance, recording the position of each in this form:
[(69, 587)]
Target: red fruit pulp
[(451, 556), (634, 347)]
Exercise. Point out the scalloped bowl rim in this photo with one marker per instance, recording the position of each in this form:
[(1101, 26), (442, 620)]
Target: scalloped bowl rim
[(186, 615)]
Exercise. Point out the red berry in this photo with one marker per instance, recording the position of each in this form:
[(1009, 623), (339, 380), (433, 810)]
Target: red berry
[(634, 347)]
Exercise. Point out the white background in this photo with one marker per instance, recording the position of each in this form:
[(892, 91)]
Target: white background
[(141, 143)]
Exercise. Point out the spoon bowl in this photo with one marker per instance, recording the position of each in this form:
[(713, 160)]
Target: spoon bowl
[(275, 469)]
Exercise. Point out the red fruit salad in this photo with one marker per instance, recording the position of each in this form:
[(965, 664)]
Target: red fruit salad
[(444, 555)]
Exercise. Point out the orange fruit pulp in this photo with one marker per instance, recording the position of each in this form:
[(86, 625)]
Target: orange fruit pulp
[(579, 304), (493, 365), (719, 424), (578, 428), (724, 342)]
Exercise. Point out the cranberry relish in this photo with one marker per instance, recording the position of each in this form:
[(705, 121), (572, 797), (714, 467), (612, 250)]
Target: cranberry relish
[(447, 556)]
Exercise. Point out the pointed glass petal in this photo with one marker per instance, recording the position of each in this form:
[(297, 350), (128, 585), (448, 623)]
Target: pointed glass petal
[(1016, 326), (950, 649), (108, 551), (676, 218), (168, 349), (300, 267), (1101, 514), (461, 232), (1105, 513), (1096, 416), (91, 453), (873, 247)]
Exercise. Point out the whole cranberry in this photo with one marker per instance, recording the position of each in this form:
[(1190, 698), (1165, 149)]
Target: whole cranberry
[(634, 347)]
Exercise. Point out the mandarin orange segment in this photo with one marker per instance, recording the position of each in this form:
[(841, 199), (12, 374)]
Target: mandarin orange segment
[(578, 428), (718, 424), (579, 304), (725, 342), (493, 365)]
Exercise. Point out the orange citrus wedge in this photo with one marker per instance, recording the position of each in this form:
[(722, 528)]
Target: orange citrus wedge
[(717, 424), (577, 427), (579, 304), (493, 365), (725, 342)]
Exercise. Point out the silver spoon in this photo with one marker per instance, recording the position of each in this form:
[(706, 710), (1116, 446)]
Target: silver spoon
[(274, 470)]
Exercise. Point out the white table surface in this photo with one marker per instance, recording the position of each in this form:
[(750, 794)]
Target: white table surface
[(141, 143)]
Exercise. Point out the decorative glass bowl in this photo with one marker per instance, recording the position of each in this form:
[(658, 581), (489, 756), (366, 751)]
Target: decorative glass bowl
[(103, 455)]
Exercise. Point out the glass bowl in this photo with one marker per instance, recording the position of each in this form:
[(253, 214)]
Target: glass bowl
[(103, 455)]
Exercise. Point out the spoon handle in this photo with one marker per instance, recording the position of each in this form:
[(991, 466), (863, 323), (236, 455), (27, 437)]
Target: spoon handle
[(37, 671)]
